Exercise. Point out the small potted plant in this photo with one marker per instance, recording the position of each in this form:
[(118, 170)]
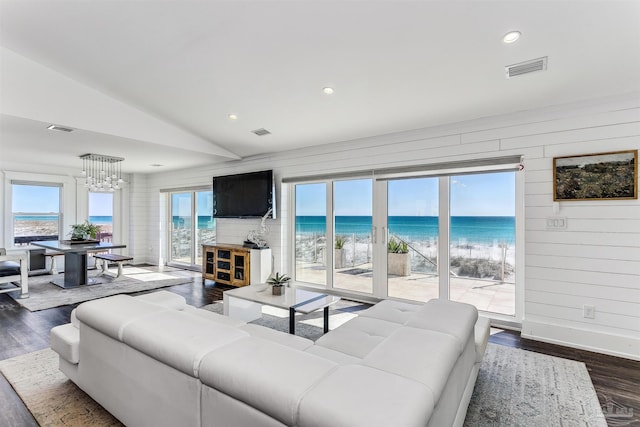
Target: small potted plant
[(84, 231), (277, 283)]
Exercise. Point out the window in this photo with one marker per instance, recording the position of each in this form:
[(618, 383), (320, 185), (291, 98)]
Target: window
[(412, 236), (101, 213), (36, 211)]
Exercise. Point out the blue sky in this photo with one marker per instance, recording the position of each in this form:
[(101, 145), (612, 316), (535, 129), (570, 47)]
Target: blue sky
[(43, 199), (489, 194), (181, 204), (35, 199), (100, 204)]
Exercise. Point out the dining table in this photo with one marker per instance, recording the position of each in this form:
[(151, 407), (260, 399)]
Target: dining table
[(75, 259)]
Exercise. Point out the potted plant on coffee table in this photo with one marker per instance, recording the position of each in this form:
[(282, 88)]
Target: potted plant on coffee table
[(277, 283)]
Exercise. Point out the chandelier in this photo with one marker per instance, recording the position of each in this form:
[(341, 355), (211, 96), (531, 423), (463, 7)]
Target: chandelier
[(103, 173)]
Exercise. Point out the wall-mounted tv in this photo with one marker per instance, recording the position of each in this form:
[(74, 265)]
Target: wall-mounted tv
[(246, 195)]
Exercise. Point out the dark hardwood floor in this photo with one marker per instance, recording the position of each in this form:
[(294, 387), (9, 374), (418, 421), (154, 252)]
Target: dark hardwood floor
[(616, 380)]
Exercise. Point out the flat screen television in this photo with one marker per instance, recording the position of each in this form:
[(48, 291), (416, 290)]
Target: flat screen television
[(246, 195)]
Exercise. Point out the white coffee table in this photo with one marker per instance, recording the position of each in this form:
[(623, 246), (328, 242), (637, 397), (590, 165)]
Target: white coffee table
[(246, 303)]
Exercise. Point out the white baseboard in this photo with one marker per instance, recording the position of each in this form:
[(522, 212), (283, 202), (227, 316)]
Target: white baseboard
[(613, 345)]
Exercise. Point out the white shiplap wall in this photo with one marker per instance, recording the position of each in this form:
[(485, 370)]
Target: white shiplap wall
[(595, 261)]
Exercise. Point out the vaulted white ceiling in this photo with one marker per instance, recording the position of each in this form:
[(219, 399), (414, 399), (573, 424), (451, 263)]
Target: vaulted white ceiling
[(155, 81)]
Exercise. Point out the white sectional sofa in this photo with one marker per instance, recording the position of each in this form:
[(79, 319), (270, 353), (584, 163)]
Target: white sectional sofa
[(154, 360)]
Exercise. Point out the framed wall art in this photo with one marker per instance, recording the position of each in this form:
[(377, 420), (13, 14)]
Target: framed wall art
[(602, 176)]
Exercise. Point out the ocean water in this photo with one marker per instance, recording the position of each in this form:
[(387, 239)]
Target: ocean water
[(36, 217), (92, 219), (204, 221), (485, 230), (101, 219)]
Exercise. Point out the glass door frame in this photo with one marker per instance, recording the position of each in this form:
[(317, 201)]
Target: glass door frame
[(380, 235), (193, 192), (170, 260)]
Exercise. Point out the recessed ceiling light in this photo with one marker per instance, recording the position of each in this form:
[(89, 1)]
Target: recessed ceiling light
[(511, 37), (327, 90), (232, 117)]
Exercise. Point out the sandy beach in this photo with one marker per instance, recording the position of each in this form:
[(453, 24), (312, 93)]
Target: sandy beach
[(24, 228), (358, 251)]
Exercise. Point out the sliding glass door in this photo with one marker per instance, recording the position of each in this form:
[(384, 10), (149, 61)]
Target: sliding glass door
[(181, 228), (412, 238), (353, 214), (332, 243), (412, 242), (482, 245), (310, 236), (190, 225)]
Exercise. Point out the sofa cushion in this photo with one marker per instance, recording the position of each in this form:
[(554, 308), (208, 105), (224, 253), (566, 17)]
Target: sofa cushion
[(214, 317), (358, 336), (111, 315), (391, 311), (165, 298), (65, 340), (418, 354), (336, 356), (9, 268), (178, 339), (453, 318), (268, 376), (354, 396), (283, 338)]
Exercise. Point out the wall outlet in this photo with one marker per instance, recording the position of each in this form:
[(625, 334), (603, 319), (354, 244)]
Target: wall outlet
[(589, 311)]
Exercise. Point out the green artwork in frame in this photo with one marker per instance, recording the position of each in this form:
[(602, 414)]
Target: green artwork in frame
[(602, 176)]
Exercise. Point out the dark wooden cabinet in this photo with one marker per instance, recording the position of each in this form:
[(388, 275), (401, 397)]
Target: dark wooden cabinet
[(227, 264)]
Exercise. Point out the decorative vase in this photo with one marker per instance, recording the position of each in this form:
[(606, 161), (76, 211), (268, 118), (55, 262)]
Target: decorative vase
[(277, 290)]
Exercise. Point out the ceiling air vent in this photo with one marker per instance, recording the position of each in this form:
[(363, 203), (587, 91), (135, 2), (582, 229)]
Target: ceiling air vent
[(526, 67), (261, 132), (59, 128)]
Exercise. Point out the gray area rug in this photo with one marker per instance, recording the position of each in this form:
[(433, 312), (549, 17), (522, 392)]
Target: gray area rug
[(307, 325), (522, 388), (44, 295), (514, 388)]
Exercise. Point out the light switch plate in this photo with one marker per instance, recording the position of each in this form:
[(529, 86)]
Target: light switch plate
[(556, 223)]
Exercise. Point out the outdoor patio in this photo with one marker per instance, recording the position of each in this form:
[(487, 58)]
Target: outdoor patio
[(486, 295)]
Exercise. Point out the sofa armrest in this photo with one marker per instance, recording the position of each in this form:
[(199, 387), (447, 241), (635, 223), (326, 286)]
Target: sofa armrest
[(65, 340), (481, 334)]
